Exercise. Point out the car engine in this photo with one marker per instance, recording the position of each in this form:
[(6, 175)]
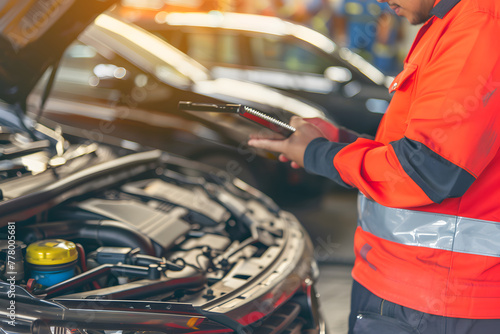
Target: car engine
[(150, 229)]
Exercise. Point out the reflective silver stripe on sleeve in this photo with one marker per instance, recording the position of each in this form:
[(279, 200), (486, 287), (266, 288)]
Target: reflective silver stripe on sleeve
[(424, 229)]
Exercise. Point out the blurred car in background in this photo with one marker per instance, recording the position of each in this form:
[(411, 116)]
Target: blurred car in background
[(279, 54), (121, 81)]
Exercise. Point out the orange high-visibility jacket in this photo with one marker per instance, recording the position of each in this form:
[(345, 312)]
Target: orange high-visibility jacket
[(428, 235)]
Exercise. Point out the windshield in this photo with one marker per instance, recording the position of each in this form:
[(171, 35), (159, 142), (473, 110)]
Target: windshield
[(147, 51)]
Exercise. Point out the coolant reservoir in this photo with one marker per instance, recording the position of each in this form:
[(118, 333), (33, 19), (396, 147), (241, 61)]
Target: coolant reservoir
[(51, 261)]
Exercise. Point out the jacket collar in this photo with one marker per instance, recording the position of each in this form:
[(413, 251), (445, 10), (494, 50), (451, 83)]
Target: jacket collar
[(443, 7)]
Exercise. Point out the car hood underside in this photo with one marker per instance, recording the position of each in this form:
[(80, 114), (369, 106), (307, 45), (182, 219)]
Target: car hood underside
[(34, 34)]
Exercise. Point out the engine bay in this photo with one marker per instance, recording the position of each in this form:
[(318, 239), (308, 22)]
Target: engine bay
[(173, 236), (148, 227)]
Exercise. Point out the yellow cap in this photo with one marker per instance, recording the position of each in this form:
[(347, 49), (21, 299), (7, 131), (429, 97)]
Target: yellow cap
[(51, 252)]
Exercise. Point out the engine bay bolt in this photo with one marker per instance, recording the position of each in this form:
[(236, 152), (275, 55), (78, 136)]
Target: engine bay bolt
[(154, 272), (209, 294)]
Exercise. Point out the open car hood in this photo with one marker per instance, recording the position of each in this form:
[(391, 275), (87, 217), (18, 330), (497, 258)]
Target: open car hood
[(33, 35)]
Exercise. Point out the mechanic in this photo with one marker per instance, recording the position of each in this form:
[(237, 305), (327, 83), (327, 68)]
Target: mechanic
[(427, 244)]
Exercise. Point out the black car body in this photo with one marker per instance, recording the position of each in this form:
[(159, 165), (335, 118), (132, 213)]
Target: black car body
[(119, 80), (100, 238), (280, 54)]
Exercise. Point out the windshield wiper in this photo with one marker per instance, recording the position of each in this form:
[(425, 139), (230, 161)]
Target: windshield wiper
[(48, 87)]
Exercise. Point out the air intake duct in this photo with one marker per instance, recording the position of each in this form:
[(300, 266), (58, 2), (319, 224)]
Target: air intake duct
[(98, 232)]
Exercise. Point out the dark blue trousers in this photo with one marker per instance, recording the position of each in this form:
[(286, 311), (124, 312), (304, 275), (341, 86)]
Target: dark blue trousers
[(373, 315)]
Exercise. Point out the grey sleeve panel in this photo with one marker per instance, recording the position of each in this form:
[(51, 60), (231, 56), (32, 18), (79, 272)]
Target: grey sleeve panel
[(318, 159), (437, 177)]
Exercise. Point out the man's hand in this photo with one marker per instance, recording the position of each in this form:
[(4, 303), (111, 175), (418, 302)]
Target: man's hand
[(293, 148)]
